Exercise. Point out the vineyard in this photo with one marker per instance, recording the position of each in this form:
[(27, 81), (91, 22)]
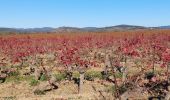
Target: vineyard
[(129, 65)]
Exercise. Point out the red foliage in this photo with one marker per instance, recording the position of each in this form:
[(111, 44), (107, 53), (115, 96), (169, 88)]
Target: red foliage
[(73, 49)]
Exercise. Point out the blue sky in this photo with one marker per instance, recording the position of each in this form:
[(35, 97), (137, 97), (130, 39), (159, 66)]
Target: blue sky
[(83, 13)]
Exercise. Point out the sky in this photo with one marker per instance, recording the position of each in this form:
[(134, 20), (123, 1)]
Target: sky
[(83, 13)]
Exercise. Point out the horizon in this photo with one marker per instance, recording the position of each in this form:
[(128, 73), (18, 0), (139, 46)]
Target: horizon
[(84, 13), (82, 27)]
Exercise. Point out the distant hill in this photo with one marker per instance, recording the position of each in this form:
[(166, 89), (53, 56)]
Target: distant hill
[(123, 27), (96, 29), (44, 29), (8, 30), (76, 29), (67, 29), (165, 27)]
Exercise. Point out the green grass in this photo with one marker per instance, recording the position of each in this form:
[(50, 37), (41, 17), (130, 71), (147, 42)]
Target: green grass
[(19, 78), (39, 92), (91, 75), (110, 88), (43, 78), (34, 82), (118, 75), (76, 74), (60, 76)]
